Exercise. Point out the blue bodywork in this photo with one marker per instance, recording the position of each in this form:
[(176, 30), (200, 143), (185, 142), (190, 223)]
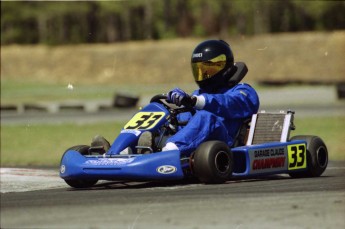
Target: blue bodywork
[(270, 158), (159, 166)]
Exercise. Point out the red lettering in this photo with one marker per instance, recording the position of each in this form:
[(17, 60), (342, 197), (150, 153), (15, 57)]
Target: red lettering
[(267, 163)]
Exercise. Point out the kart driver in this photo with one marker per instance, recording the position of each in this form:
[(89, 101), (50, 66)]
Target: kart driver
[(221, 102)]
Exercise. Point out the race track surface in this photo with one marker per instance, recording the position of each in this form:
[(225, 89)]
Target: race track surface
[(271, 202)]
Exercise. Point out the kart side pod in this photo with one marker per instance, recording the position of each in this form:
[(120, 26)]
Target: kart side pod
[(270, 150)]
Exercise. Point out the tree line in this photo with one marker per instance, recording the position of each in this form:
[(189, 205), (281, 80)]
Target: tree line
[(47, 22)]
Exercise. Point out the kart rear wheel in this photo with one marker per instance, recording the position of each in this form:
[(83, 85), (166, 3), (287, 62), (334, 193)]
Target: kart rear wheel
[(317, 156), (213, 162), (81, 183)]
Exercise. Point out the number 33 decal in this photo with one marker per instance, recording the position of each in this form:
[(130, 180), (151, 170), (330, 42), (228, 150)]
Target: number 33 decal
[(297, 156), (144, 120)]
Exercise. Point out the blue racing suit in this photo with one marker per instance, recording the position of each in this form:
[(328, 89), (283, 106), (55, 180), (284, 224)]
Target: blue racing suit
[(218, 117)]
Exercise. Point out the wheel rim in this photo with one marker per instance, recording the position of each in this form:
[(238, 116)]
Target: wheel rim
[(222, 161), (322, 156)]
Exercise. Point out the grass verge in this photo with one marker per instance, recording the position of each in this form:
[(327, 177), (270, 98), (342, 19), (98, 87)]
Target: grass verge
[(26, 91), (330, 129), (43, 145)]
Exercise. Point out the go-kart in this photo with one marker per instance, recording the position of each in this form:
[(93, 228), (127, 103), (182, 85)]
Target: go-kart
[(263, 147)]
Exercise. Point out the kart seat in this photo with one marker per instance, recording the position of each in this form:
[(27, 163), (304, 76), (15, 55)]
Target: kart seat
[(238, 72), (242, 134), (270, 127)]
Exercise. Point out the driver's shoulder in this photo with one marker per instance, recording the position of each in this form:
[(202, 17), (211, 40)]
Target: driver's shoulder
[(242, 86)]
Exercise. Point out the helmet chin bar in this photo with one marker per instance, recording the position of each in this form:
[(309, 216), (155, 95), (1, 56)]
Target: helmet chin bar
[(211, 85), (231, 77)]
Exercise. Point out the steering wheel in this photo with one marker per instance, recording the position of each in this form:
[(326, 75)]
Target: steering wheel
[(158, 98), (163, 99)]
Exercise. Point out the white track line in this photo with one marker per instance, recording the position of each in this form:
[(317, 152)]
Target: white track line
[(23, 180)]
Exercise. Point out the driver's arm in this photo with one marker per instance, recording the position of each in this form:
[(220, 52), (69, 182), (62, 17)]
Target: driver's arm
[(239, 102)]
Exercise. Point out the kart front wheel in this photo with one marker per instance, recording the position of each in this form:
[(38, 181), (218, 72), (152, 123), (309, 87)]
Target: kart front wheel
[(81, 183), (317, 156), (212, 162), (82, 149)]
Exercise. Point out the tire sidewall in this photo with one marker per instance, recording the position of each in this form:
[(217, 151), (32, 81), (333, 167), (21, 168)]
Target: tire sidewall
[(205, 166), (317, 166)]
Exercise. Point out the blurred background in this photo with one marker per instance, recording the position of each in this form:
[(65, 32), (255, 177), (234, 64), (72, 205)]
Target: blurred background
[(73, 51)]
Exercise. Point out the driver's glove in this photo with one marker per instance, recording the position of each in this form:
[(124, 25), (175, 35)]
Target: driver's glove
[(179, 97)]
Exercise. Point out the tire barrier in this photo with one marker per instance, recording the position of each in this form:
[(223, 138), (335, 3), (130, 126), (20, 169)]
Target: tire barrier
[(341, 90), (120, 101)]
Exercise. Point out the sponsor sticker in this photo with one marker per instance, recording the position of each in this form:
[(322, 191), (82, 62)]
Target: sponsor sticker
[(62, 169), (268, 159), (197, 55), (109, 161), (166, 169)]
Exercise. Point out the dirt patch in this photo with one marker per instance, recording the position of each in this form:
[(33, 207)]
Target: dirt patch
[(291, 56)]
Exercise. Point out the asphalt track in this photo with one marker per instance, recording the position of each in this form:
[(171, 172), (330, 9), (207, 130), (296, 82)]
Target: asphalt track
[(271, 202)]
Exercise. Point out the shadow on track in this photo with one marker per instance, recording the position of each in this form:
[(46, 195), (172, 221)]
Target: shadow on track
[(108, 185)]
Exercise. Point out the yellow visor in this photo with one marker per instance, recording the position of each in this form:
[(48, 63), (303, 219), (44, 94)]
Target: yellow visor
[(207, 69)]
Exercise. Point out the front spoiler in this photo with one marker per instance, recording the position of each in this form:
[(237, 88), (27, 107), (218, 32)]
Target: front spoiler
[(156, 166)]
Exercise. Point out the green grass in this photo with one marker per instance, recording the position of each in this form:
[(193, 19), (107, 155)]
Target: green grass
[(26, 91), (14, 92), (330, 129), (43, 145)]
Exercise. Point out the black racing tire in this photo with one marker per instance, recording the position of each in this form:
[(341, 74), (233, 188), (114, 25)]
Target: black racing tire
[(212, 162), (81, 183), (82, 149), (317, 156)]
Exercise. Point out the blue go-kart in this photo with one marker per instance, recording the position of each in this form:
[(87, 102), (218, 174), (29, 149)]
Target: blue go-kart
[(263, 147)]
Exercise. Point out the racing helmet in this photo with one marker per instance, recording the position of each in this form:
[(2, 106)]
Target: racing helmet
[(212, 61)]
